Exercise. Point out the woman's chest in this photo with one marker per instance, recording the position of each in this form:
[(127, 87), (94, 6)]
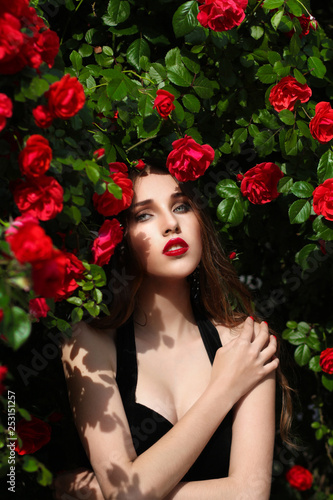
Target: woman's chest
[(171, 379)]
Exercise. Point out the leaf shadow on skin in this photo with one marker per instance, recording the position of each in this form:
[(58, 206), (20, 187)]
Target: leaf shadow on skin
[(82, 388)]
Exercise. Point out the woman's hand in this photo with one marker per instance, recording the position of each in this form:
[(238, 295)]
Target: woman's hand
[(76, 484), (244, 361)]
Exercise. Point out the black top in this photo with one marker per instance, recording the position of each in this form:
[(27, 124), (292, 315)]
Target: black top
[(147, 426)]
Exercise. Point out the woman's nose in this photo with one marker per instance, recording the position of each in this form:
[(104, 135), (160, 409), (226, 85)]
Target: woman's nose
[(170, 224)]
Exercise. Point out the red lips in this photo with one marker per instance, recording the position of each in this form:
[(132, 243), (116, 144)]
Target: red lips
[(177, 251)]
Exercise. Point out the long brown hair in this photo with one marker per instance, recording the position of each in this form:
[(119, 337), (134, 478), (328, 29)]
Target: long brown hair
[(222, 297)]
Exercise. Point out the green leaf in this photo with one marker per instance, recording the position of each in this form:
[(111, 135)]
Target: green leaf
[(313, 341), (304, 128), (92, 308), (295, 7), (39, 86), (180, 76), (327, 381), (266, 74), (290, 143), (75, 300), (325, 166), (287, 117), (44, 476), (92, 172), (257, 32), (323, 229), (118, 11), (228, 188), (292, 324), (76, 60), (316, 67), (145, 105), (157, 72), (273, 57), (19, 328), (185, 18), (294, 337), (30, 464), (302, 355), (76, 314), (204, 87), (24, 413), (173, 58), (85, 50), (191, 103), (273, 4), (276, 19), (136, 50), (302, 189), (299, 76), (230, 210), (268, 119), (295, 44), (264, 143), (97, 295), (299, 211), (303, 327), (285, 184), (178, 113), (302, 256)]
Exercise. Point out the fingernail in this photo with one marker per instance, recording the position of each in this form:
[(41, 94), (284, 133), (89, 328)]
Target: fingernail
[(251, 317)]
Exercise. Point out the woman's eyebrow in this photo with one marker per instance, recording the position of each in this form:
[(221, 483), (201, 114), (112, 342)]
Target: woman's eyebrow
[(175, 195)]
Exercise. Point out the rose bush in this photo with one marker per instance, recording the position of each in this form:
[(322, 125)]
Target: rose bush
[(6, 110)]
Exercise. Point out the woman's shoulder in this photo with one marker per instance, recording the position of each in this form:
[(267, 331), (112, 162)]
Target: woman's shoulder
[(89, 342)]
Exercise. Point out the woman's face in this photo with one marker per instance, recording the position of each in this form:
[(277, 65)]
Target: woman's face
[(163, 229)]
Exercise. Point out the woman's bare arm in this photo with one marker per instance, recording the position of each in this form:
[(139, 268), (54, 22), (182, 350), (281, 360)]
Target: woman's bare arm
[(103, 427)]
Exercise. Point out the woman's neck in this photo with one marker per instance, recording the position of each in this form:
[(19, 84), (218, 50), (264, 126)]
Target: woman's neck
[(164, 306)]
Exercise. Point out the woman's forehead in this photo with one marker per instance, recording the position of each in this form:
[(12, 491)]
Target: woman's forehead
[(154, 185)]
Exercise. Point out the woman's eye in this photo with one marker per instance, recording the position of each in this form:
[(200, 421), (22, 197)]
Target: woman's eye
[(183, 208), (142, 217)]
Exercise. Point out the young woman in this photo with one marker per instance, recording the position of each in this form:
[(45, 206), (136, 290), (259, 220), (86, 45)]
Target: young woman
[(173, 395)]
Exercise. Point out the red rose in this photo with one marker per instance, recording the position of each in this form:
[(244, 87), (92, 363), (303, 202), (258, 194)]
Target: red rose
[(38, 307), (3, 374), (34, 434), (259, 184), (48, 46), (109, 235), (43, 117), (107, 204), (300, 478), (65, 98), (117, 166), (99, 153), (48, 275), (140, 165), (321, 125), (6, 110), (28, 241), (42, 197), (17, 8), (11, 45), (221, 15), (164, 103), (323, 199), (35, 158), (232, 255), (326, 360), (189, 160), (74, 270), (1, 315), (306, 23), (285, 94)]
